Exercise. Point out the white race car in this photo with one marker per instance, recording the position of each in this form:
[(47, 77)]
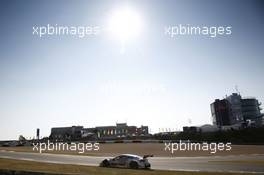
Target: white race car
[(127, 161)]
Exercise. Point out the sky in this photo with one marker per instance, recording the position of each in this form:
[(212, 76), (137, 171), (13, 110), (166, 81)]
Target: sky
[(149, 79)]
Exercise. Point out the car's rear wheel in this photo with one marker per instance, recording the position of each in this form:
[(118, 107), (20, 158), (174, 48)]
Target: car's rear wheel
[(133, 165), (105, 163)]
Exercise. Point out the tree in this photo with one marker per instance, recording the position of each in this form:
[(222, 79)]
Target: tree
[(21, 138)]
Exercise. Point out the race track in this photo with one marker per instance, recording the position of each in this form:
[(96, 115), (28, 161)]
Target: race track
[(242, 163)]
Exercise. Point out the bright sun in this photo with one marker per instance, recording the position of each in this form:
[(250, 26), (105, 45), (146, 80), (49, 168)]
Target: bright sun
[(125, 24)]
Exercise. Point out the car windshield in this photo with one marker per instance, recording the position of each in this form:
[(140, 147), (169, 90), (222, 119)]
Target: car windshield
[(133, 156)]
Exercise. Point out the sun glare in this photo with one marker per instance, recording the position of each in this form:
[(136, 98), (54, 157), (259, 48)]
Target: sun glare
[(125, 24)]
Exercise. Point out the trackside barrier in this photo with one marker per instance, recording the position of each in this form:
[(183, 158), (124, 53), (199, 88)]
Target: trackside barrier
[(99, 141), (135, 141)]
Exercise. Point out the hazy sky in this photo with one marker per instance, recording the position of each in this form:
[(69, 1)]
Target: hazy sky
[(153, 80)]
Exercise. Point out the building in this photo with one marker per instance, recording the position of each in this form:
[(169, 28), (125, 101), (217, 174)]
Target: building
[(236, 111), (191, 129), (208, 128), (121, 130), (235, 105), (89, 133), (203, 128), (66, 133), (251, 111), (220, 110)]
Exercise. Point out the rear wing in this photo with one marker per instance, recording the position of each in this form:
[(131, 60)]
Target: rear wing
[(149, 155)]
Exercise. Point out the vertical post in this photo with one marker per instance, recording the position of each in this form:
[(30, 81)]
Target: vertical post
[(37, 133)]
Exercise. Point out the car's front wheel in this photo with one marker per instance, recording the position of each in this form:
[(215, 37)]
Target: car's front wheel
[(105, 163), (133, 165)]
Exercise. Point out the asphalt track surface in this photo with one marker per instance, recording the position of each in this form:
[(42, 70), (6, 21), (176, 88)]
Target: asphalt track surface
[(241, 163)]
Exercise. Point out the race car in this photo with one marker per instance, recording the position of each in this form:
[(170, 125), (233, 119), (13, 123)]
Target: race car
[(127, 161)]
